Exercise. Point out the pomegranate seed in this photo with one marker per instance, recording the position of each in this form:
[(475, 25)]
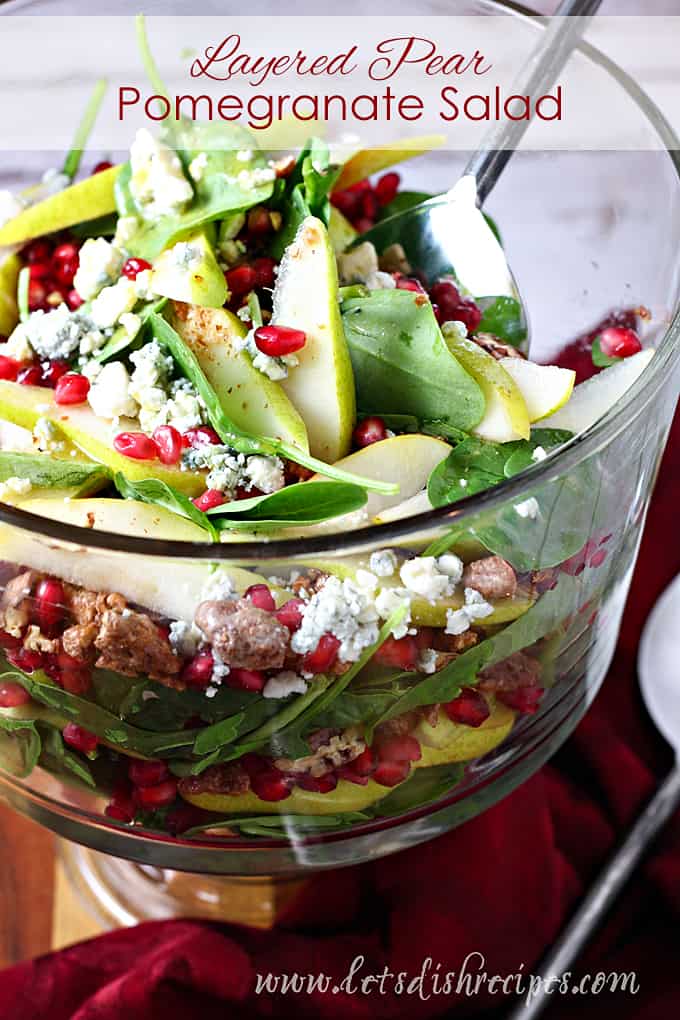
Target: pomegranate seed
[(370, 430), (246, 679), (264, 271), (75, 681), (386, 187), (9, 368), (79, 738), (402, 653), (241, 280), (447, 296), (74, 300), (347, 772), (618, 342), (169, 443), (209, 499), (133, 267), (524, 699), (30, 376), (40, 270), (290, 614), (259, 221), (279, 340), (370, 206), (389, 773), (8, 641), (183, 817), (135, 445), (363, 224), (403, 748), (200, 437), (260, 596), (347, 202), (37, 295), (323, 656), (576, 564), (65, 252), (72, 388), (424, 638), (361, 187), (598, 558), (365, 764), (49, 604), (470, 314), (119, 811), (102, 165), (13, 695), (156, 796), (147, 773), (66, 271), (318, 784), (241, 493), (25, 660), (53, 371), (270, 785), (409, 283), (199, 670), (37, 251), (254, 764), (470, 708)]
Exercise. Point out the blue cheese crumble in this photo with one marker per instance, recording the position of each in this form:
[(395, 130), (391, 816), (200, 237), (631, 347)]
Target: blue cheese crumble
[(157, 182), (99, 265), (474, 608), (343, 609), (229, 470), (162, 400), (58, 335)]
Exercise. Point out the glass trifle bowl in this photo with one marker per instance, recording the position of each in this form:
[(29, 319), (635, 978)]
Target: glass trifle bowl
[(234, 784)]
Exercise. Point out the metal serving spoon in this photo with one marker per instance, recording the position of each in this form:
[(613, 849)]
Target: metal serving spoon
[(659, 671), (449, 231)]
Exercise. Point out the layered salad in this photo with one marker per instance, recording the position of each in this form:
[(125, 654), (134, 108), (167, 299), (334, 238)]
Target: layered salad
[(198, 346)]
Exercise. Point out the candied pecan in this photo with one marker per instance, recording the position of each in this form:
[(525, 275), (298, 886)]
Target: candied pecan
[(518, 670), (492, 577), (541, 581), (243, 635), (15, 605), (394, 260), (87, 606), (131, 644), (35, 641), (78, 641), (226, 780), (457, 643), (296, 472), (338, 750), (310, 582), (495, 347), (400, 726)]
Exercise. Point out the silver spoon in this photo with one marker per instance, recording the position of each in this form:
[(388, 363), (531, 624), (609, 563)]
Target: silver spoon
[(659, 671), (449, 231)]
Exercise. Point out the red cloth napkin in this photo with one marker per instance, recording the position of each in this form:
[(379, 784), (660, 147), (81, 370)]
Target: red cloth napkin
[(501, 886)]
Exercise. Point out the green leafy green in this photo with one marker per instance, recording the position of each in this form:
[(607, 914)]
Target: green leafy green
[(504, 318), (600, 359), (20, 745), (159, 493), (403, 201), (47, 472), (227, 429), (122, 340), (283, 826), (305, 192), (302, 503), (57, 758), (84, 129), (402, 364), (422, 787), (475, 464)]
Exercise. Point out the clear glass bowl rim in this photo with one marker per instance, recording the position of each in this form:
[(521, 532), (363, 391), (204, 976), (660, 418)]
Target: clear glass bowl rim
[(635, 400)]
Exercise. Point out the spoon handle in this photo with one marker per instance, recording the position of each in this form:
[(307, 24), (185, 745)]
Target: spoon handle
[(603, 893), (561, 35)]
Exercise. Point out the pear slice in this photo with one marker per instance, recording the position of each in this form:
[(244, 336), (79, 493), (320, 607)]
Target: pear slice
[(321, 386), (418, 504), (545, 388), (340, 231), (254, 402), (367, 162), (86, 200), (9, 274), (594, 397), (506, 417), (25, 405), (450, 742), (172, 587), (188, 271)]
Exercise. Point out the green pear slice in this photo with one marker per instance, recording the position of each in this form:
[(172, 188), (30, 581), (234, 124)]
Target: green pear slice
[(196, 279), (86, 200), (25, 405), (256, 403), (340, 231), (169, 586), (545, 388), (321, 386), (506, 417), (594, 397), (9, 274), (418, 504)]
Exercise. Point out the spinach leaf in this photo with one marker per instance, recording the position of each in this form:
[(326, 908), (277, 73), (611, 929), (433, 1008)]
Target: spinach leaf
[(122, 340), (57, 758), (504, 318), (475, 464), (305, 193), (159, 493), (422, 787), (401, 202), (600, 359), (20, 745), (49, 473), (402, 364), (281, 826), (302, 503), (229, 432), (547, 613)]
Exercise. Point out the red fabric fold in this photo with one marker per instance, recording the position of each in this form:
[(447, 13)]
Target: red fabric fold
[(501, 886)]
